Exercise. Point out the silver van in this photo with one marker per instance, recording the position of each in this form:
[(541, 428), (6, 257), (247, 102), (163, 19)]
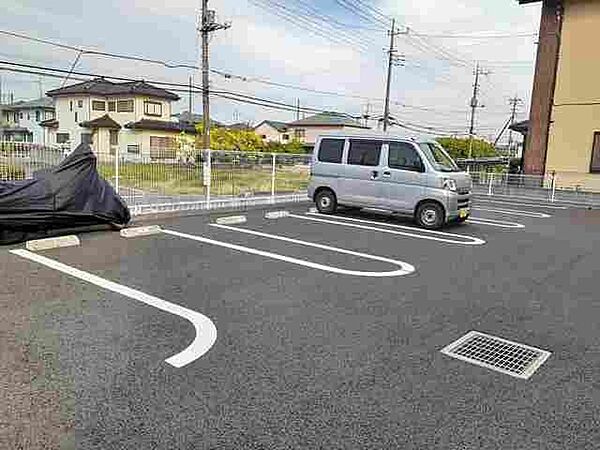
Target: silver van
[(382, 171)]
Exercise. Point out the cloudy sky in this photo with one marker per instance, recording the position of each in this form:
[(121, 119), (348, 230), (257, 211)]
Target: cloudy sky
[(333, 46)]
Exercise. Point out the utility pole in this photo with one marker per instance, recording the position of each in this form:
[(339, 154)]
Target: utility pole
[(297, 109), (393, 59), (474, 106), (190, 101), (514, 102), (208, 25)]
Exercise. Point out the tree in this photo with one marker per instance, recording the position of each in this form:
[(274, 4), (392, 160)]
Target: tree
[(459, 147)]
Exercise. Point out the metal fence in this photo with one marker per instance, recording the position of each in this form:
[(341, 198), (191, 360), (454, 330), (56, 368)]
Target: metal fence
[(549, 187), (20, 160), (237, 179), (164, 183), (208, 181)]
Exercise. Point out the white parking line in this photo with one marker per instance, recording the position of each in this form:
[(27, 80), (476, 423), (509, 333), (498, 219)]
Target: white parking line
[(494, 223), (516, 212), (405, 268), (517, 203), (206, 332), (435, 235)]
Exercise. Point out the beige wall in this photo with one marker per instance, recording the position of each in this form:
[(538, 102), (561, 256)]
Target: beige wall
[(272, 135), (578, 81), (312, 132)]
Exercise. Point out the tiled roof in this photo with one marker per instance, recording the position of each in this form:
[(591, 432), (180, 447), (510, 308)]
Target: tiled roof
[(279, 126), (327, 119), (194, 118), (100, 86), (161, 125), (101, 122), (44, 102), (520, 127), (49, 123)]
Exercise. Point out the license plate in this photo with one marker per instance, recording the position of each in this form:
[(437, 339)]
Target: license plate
[(462, 213)]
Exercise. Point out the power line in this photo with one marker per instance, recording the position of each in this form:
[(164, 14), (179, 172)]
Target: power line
[(176, 87)]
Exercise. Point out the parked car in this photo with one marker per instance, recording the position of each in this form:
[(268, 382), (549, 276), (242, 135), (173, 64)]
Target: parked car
[(379, 170)]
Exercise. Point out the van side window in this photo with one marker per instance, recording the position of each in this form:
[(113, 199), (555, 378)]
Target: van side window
[(404, 156), (331, 150), (364, 153)]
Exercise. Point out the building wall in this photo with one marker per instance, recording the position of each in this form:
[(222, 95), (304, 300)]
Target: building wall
[(271, 134), (534, 160), (30, 122), (312, 132), (69, 114), (574, 116)]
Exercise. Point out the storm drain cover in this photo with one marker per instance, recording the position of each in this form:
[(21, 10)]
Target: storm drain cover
[(501, 355)]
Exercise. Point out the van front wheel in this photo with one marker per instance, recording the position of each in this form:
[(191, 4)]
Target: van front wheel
[(326, 202), (430, 215)]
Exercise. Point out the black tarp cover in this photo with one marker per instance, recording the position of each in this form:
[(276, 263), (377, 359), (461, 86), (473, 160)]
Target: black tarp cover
[(71, 196)]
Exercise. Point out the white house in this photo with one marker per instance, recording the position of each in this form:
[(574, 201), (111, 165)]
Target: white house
[(306, 130), (22, 121), (132, 118), (273, 131)]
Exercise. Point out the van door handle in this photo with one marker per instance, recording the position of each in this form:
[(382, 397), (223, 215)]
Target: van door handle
[(374, 174), (387, 174)]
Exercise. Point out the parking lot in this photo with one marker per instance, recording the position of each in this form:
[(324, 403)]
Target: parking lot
[(306, 331)]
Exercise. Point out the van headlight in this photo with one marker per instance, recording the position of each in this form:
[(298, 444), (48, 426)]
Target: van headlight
[(449, 184)]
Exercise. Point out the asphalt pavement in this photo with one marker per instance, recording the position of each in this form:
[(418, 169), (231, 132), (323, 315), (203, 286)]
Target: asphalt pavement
[(306, 357)]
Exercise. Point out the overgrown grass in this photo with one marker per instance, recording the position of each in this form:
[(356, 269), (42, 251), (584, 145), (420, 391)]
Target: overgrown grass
[(171, 179)]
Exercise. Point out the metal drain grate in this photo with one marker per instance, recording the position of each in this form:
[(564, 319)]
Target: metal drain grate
[(501, 355)]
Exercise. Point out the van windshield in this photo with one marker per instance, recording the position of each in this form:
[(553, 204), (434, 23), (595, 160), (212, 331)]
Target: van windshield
[(438, 157)]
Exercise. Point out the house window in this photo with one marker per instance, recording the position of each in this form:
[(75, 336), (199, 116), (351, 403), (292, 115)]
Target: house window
[(114, 137), (364, 153), (125, 106), (595, 164), (133, 149), (152, 108), (285, 137), (97, 105), (162, 147), (263, 136), (37, 116), (80, 103), (76, 117), (28, 116), (20, 115), (111, 106), (299, 133), (86, 138), (71, 105), (62, 138), (330, 150)]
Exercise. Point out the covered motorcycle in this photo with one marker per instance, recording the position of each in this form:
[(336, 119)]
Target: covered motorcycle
[(71, 197)]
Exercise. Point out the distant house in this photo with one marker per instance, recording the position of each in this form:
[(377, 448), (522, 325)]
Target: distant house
[(22, 121), (306, 130), (273, 131), (132, 118), (240, 126), (193, 118)]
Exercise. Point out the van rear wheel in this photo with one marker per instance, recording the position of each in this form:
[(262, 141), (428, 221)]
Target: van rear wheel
[(326, 202), (430, 215)]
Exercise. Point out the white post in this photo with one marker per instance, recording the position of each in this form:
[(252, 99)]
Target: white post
[(553, 187), (490, 183), (207, 175), (273, 179), (117, 169)]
